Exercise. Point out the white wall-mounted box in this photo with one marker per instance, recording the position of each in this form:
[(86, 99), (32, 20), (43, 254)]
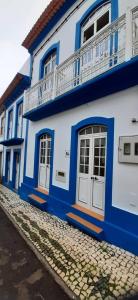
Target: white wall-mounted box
[(128, 149), (60, 176)]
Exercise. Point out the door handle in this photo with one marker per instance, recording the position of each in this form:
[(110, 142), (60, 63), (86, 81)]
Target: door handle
[(94, 178)]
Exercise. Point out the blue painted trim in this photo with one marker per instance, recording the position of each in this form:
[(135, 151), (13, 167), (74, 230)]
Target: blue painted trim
[(15, 151), (25, 148), (12, 142), (61, 12), (53, 48), (124, 75), (8, 153), (11, 110), (31, 66), (36, 157), (18, 103), (94, 6)]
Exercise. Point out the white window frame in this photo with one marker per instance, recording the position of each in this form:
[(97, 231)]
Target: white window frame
[(49, 61), (93, 18)]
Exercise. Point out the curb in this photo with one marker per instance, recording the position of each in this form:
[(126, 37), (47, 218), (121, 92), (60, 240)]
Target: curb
[(57, 279)]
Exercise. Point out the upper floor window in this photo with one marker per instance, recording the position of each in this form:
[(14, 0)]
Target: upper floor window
[(19, 120), (2, 125), (50, 64), (10, 124), (96, 22)]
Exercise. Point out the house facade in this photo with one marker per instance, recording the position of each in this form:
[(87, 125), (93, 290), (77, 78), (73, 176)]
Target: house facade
[(80, 126)]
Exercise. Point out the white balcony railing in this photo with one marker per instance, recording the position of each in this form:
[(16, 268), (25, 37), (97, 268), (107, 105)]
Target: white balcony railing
[(114, 45)]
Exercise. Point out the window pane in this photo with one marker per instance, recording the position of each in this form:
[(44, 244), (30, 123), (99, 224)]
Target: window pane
[(82, 160), (102, 170), (136, 148), (81, 169), (82, 151), (96, 129), (86, 160), (102, 161), (96, 171), (103, 21), (86, 169), (127, 149), (96, 161), (82, 143), (102, 152), (88, 33), (103, 142), (97, 142)]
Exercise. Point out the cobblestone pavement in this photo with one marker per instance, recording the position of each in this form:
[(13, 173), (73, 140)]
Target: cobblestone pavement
[(91, 269)]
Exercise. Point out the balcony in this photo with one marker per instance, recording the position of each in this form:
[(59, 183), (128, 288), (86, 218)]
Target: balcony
[(102, 55)]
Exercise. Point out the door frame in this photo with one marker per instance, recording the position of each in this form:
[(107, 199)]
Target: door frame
[(109, 123), (40, 165), (36, 155), (15, 151)]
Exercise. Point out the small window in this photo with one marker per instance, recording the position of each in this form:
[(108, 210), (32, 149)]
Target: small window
[(50, 64), (127, 149), (88, 33), (103, 21), (136, 148)]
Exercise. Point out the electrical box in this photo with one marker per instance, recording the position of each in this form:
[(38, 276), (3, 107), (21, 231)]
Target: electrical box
[(128, 149), (60, 176)]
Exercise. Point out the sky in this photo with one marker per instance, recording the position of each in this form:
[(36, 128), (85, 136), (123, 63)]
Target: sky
[(16, 19)]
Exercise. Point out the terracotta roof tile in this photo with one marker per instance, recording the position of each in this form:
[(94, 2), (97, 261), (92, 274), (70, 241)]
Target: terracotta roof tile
[(43, 20)]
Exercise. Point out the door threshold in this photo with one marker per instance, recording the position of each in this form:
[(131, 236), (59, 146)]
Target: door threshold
[(41, 190), (89, 212)]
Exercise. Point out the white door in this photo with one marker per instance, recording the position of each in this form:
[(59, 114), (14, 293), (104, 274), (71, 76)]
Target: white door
[(91, 168), (20, 120), (44, 161), (17, 175)]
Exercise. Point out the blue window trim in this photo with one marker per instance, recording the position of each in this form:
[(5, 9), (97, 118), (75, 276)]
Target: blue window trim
[(54, 47), (9, 111), (16, 117), (8, 151), (95, 5), (109, 123), (14, 166), (25, 148), (36, 156)]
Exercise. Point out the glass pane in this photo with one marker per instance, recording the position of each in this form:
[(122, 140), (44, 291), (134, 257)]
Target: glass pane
[(102, 172), (82, 160), (96, 171), (103, 21), (127, 148), (136, 148), (88, 33), (96, 161), (87, 151), (97, 142), (96, 151), (82, 151), (81, 169), (102, 151), (86, 169), (82, 132), (103, 129), (86, 160), (102, 161), (89, 130), (82, 143), (96, 129), (103, 142), (87, 143)]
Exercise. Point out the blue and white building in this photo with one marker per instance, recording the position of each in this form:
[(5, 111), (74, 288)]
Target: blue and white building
[(78, 146)]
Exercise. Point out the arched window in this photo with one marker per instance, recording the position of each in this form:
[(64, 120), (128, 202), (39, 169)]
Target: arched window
[(50, 63), (95, 22)]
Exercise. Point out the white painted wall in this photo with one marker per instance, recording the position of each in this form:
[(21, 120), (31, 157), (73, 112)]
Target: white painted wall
[(66, 34), (123, 106)]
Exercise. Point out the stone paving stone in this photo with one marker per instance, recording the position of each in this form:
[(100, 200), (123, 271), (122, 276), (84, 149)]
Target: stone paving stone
[(91, 269)]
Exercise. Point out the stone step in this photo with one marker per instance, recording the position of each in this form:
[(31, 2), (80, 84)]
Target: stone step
[(84, 225)]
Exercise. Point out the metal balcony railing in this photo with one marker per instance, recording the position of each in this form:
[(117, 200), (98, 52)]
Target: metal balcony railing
[(116, 44)]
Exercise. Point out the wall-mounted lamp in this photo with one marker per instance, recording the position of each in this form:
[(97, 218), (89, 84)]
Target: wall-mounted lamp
[(134, 120)]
